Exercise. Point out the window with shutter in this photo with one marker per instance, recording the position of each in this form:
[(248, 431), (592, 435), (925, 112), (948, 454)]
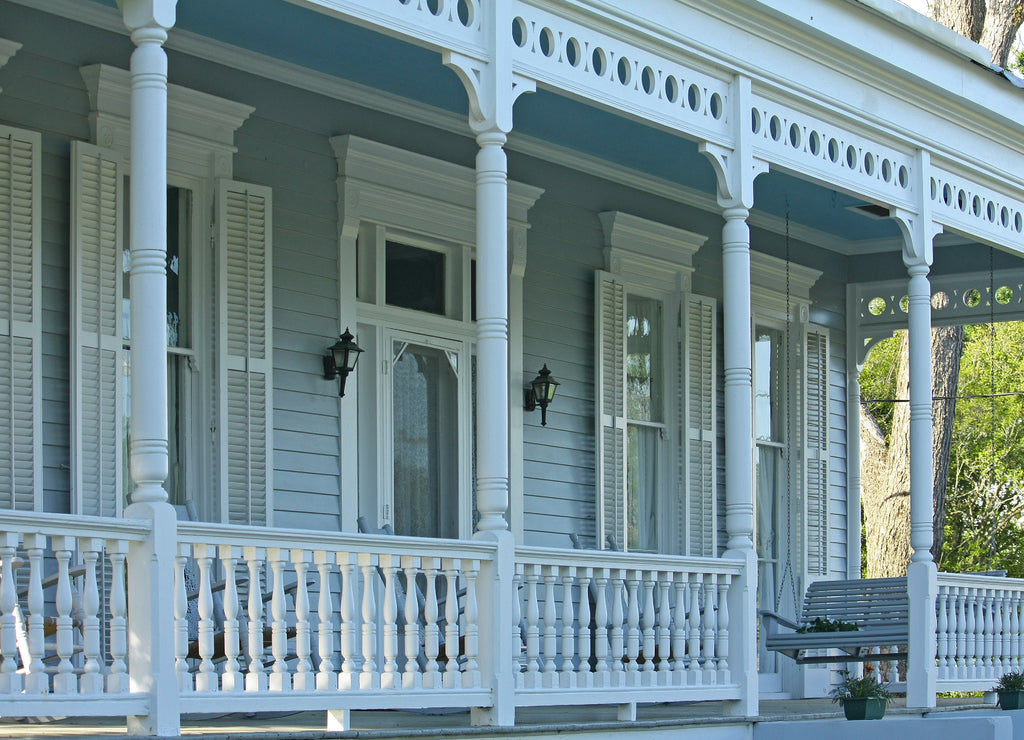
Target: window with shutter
[(816, 454), (655, 380), (244, 263), (20, 346)]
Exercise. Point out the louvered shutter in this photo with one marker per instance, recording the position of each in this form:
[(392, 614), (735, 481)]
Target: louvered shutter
[(816, 452), (20, 373), (244, 340), (610, 342), (96, 326), (697, 361)]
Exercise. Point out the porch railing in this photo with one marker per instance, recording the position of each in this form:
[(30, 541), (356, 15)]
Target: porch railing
[(594, 624), (978, 630)]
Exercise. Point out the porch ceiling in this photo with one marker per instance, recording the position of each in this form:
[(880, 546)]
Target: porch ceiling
[(816, 214)]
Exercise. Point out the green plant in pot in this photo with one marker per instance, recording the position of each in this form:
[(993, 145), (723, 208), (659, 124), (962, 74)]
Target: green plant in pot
[(862, 697), (1010, 688)]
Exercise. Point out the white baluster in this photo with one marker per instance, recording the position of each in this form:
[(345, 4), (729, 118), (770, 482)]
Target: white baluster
[(326, 678), (91, 681), (603, 665), (10, 679), (633, 625), (36, 681), (961, 632), (518, 638), (942, 629), (411, 678), (231, 679), (722, 643), (181, 619), (451, 678), (347, 679), (431, 640), (389, 678), (1015, 637), (679, 629), (256, 678), (550, 679), (988, 631), (369, 678), (532, 575), (664, 629), (694, 676), (280, 679), (647, 621), (970, 650), (471, 677), (117, 679), (303, 680), (567, 678), (65, 682), (583, 673), (207, 678), (709, 624), (997, 634), (618, 619), (1007, 651)]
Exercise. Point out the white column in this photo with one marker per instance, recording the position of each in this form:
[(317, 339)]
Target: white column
[(492, 331), (150, 563)]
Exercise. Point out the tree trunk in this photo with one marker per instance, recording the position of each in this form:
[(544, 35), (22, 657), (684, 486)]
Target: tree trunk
[(885, 469), (966, 17), (1002, 21)]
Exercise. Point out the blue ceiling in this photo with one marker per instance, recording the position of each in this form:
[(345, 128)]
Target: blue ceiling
[(369, 58)]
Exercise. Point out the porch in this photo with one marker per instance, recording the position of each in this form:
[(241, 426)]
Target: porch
[(275, 620)]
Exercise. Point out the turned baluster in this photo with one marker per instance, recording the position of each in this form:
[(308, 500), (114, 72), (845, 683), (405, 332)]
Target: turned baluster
[(303, 680), (36, 681), (10, 679), (431, 674), (693, 648), (369, 678), (280, 679), (117, 680), (550, 629), (709, 625), (180, 619), (583, 640), (618, 618), (450, 566), (518, 638), (206, 680), (411, 677), (1015, 636), (532, 575), (231, 679), (326, 678), (997, 633), (722, 641), (603, 664), (664, 629), (679, 627), (471, 676), (256, 678), (988, 629), (632, 622), (942, 630), (961, 631), (389, 678), (347, 611), (567, 678), (647, 621)]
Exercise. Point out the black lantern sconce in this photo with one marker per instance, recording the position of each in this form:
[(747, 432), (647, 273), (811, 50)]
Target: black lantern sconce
[(540, 393), (341, 359)]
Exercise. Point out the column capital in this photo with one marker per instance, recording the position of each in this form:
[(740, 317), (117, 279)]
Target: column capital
[(139, 14), (736, 167)]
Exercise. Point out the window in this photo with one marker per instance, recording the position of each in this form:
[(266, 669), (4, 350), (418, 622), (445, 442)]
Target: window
[(655, 394)]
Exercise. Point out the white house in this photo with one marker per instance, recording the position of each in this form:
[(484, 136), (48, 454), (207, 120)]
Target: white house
[(697, 216)]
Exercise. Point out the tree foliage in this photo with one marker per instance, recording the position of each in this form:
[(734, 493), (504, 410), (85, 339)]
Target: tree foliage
[(985, 494)]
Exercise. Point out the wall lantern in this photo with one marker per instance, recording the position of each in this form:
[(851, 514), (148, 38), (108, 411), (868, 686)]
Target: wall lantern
[(341, 359), (540, 393)]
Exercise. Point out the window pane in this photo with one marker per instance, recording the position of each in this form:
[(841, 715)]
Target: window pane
[(768, 385), (644, 384), (642, 487), (425, 416), (414, 278)]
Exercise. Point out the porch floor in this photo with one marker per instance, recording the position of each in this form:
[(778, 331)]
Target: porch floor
[(380, 724)]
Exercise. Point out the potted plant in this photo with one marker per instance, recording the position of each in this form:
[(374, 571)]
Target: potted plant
[(862, 697), (1010, 688)]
